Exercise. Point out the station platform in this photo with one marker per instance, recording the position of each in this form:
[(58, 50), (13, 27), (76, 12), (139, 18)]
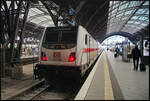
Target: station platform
[(28, 56), (113, 79), (11, 87)]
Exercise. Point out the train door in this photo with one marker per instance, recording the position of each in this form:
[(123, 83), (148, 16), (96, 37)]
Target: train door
[(88, 47)]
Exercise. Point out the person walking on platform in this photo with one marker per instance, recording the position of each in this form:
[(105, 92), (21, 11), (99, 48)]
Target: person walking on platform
[(136, 55), (117, 52)]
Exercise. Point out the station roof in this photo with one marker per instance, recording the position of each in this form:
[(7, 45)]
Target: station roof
[(100, 17)]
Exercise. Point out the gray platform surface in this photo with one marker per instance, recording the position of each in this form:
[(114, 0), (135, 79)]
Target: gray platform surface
[(96, 89), (134, 84), (11, 87), (127, 84)]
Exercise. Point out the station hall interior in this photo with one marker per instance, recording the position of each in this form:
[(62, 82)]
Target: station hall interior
[(122, 24)]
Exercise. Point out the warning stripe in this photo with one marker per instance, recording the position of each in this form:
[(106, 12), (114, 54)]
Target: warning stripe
[(108, 85), (85, 50)]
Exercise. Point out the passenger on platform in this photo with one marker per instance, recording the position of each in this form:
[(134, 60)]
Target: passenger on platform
[(36, 50), (136, 55), (117, 51)]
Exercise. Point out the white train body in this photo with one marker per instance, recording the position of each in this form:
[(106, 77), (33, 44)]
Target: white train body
[(72, 51)]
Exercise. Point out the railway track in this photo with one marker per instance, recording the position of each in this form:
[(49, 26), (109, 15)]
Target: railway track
[(64, 89), (25, 95), (51, 94)]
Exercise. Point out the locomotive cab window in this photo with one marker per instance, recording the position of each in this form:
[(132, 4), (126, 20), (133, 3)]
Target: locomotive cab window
[(68, 37), (51, 36), (58, 36)]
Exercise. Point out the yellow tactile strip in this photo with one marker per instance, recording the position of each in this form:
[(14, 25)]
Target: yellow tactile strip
[(108, 86)]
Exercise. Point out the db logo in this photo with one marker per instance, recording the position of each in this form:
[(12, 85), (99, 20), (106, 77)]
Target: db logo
[(56, 54)]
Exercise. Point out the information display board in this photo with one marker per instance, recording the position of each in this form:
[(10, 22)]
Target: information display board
[(145, 47)]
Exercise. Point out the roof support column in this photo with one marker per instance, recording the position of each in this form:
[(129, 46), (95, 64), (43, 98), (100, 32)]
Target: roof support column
[(26, 8), (13, 13)]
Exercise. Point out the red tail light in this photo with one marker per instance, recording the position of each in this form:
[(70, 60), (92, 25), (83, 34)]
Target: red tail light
[(72, 57), (43, 56)]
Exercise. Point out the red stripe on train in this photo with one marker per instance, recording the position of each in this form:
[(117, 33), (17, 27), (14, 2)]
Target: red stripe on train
[(85, 50)]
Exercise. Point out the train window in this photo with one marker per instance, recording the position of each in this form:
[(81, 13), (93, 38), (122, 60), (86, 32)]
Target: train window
[(86, 39), (51, 36), (68, 37)]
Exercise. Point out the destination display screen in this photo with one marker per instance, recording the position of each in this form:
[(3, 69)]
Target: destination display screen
[(145, 47)]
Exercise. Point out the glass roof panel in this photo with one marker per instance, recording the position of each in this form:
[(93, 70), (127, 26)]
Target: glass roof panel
[(129, 12), (31, 13), (133, 3), (146, 3), (115, 2), (124, 18), (143, 24), (130, 21), (40, 16), (147, 12), (46, 19), (141, 11), (130, 17), (114, 11), (48, 24), (123, 6), (121, 2), (147, 20), (134, 17), (142, 18), (36, 21), (110, 3), (116, 5), (136, 22), (36, 10), (118, 15)]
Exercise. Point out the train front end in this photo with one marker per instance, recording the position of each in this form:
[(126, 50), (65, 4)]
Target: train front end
[(58, 53)]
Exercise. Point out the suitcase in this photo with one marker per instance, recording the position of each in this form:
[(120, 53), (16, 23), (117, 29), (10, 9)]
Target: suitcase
[(115, 55), (142, 67)]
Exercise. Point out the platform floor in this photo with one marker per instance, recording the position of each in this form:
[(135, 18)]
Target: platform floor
[(125, 83), (28, 56), (11, 87), (134, 84)]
